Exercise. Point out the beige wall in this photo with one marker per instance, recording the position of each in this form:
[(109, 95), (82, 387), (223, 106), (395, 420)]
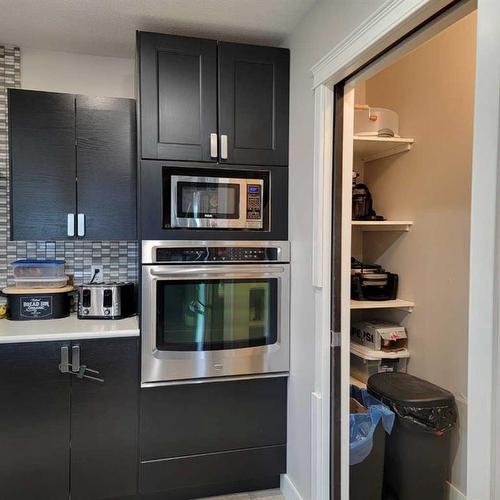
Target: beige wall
[(432, 89), (54, 71)]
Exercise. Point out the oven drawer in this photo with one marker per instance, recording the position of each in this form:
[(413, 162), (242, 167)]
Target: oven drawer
[(203, 418), (213, 469)]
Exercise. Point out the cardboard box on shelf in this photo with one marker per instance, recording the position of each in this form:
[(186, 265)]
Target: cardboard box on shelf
[(379, 335)]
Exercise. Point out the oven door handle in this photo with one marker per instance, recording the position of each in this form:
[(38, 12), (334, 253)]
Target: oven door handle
[(223, 271)]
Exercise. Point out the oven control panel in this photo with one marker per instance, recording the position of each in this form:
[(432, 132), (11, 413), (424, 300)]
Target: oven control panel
[(254, 202), (217, 254)]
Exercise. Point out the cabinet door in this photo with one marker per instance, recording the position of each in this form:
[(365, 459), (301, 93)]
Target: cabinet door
[(104, 421), (253, 104), (42, 163), (106, 168), (34, 422), (178, 96)]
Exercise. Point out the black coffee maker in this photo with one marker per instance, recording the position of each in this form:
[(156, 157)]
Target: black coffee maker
[(362, 203)]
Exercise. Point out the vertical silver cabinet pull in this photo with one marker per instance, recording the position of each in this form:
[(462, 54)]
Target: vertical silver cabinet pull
[(64, 364), (213, 145), (81, 224), (75, 358), (71, 224), (223, 147)]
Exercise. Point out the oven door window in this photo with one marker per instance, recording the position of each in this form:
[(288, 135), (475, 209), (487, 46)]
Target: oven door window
[(203, 315), (208, 200)]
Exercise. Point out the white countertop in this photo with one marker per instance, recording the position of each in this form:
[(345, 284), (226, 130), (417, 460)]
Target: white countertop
[(70, 328)]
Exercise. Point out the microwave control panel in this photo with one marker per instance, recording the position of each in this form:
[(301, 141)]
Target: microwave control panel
[(216, 254), (254, 202)]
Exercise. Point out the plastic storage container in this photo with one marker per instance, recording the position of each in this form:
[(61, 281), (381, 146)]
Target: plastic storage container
[(367, 446), (366, 362), (32, 268), (56, 282), (418, 451), (32, 273)]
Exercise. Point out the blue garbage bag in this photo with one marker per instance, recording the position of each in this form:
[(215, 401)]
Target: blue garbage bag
[(363, 425)]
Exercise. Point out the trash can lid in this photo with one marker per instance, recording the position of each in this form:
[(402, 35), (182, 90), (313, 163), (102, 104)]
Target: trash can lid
[(406, 390)]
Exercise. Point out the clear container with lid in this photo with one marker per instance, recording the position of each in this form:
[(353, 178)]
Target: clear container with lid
[(44, 282), (39, 269)]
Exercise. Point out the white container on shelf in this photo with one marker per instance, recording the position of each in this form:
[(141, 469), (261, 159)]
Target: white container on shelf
[(365, 362), (377, 122)]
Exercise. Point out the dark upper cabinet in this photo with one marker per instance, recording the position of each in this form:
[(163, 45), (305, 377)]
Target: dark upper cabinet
[(178, 97), (201, 100), (72, 166), (34, 423), (253, 104), (42, 163), (60, 434), (106, 167)]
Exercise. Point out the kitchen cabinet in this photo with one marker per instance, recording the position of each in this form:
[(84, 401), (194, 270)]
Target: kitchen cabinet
[(72, 166), (178, 96), (233, 436), (253, 104), (34, 422), (61, 434), (202, 100)]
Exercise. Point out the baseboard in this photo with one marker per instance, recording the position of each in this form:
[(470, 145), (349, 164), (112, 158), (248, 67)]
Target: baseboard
[(453, 493), (289, 490)]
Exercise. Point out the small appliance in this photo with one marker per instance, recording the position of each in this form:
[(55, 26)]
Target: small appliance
[(362, 202), (378, 122), (207, 199), (106, 300), (372, 282)]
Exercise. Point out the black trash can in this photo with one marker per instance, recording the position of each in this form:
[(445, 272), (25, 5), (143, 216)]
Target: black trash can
[(417, 456)]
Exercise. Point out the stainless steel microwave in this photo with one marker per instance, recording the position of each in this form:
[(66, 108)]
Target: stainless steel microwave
[(199, 201)]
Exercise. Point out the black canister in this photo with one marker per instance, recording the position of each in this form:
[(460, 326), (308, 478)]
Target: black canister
[(33, 304)]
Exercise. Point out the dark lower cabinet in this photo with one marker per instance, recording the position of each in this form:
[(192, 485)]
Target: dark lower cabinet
[(34, 423), (199, 440), (104, 421), (61, 435)]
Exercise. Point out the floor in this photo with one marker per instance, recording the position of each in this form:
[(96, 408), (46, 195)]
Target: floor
[(253, 495)]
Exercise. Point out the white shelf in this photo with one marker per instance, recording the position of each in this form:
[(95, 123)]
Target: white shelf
[(383, 304), (383, 225), (371, 355), (357, 383), (370, 148)]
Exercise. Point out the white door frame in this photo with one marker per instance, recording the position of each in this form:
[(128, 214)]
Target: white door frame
[(390, 22)]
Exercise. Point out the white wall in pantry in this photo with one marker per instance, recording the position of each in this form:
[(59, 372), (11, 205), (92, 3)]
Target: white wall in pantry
[(53, 71), (326, 24)]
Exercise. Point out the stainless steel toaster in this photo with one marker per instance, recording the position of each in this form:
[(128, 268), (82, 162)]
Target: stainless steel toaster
[(106, 300)]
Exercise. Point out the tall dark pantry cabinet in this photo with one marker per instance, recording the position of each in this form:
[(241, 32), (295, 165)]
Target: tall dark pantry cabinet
[(211, 109)]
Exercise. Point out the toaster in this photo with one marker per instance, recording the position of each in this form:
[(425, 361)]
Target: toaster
[(106, 300)]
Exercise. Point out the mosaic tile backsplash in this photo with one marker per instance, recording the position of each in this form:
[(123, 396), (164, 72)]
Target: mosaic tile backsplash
[(118, 258)]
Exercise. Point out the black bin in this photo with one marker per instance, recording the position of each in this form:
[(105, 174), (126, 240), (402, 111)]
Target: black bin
[(418, 451)]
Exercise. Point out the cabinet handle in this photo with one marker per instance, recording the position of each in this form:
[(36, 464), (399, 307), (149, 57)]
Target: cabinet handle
[(64, 364), (223, 147), (81, 224), (75, 358), (71, 224), (213, 145)]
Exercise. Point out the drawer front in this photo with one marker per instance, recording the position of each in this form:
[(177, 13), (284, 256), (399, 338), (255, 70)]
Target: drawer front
[(194, 419), (208, 470)]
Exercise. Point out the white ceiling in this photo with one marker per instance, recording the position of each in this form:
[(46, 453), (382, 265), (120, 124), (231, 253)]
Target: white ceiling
[(107, 27)]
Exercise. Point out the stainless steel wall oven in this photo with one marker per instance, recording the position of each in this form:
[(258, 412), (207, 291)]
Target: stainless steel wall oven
[(214, 309)]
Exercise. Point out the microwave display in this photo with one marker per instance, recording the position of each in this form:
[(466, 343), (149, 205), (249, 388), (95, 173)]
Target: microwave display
[(199, 201)]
